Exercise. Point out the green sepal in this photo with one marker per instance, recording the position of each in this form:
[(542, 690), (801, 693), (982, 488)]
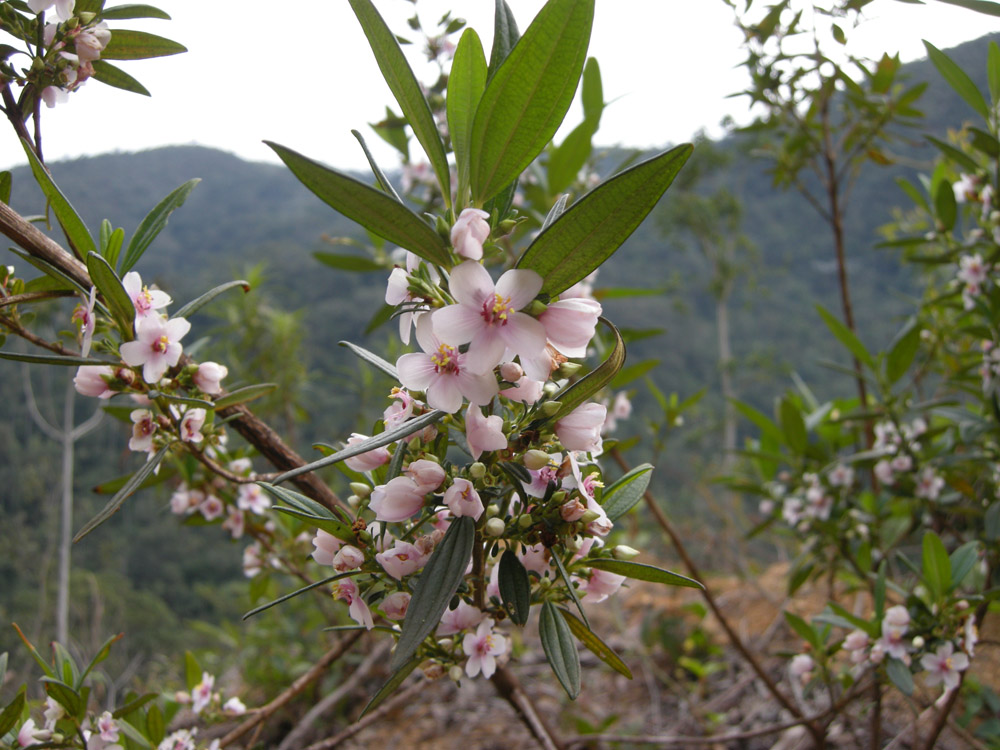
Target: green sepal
[(642, 572), (371, 208), (594, 644), (515, 587), (437, 584), (627, 490), (126, 44), (594, 227), (560, 648)]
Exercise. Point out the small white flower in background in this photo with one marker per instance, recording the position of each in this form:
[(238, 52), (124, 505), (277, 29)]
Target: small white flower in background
[(252, 562), (191, 425), (201, 695), (856, 643), (211, 508), (841, 476), (251, 497), (143, 428), (107, 727), (234, 707), (929, 484), (944, 665), (802, 667), (967, 188)]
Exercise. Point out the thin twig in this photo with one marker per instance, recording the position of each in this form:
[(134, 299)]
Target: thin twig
[(16, 299), (315, 672), (370, 718), (511, 691)]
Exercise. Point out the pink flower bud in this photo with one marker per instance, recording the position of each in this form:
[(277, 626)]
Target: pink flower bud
[(469, 232)]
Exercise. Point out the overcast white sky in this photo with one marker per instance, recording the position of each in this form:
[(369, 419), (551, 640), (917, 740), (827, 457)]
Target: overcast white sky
[(304, 78)]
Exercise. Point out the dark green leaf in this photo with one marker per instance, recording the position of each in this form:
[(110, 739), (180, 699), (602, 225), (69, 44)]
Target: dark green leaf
[(372, 359), (466, 83), (153, 224), (124, 493), (594, 227), (304, 589), (390, 436), (596, 646), (54, 359), (847, 337), (505, 36), (961, 158), (515, 587), (131, 10), (993, 70), (902, 351), (622, 496), (956, 77), (570, 589), (765, 425), (245, 394), (985, 142), (192, 670), (196, 304), (528, 95), (353, 263), (336, 528), (12, 713), (156, 727), (392, 683), (642, 572), (134, 705), (633, 372), (936, 565), (793, 426), (371, 208), (962, 561), (383, 181), (988, 7), (991, 521), (111, 75), (900, 675), (307, 507), (804, 629), (438, 583), (126, 44), (110, 286), (405, 89), (70, 221), (62, 280), (101, 655), (5, 186), (64, 695), (560, 649), (580, 391), (945, 205)]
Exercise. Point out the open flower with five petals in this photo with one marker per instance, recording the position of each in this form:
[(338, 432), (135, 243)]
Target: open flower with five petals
[(156, 347)]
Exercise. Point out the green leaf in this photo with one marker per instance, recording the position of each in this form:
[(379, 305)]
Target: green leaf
[(804, 630), (192, 670), (847, 337), (570, 589), (766, 426), (60, 278), (962, 561), (245, 394), (371, 208), (622, 496), (642, 572), (560, 649), (64, 695), (3, 675), (515, 587), (134, 705), (957, 78), (156, 727), (793, 426), (528, 96), (115, 77), (101, 655), (980, 6), (596, 646), (12, 713), (6, 182), (124, 493), (438, 583), (945, 205), (985, 142), (466, 84), (306, 507), (153, 224), (961, 158), (336, 528), (633, 372), (592, 93), (991, 521), (372, 359), (594, 227), (297, 592), (572, 154), (54, 359), (579, 392), (900, 676), (111, 245), (110, 286), (126, 44), (70, 221), (902, 351), (993, 70), (394, 681), (405, 89), (353, 263), (384, 438), (196, 304), (380, 177), (505, 36), (132, 10), (936, 565)]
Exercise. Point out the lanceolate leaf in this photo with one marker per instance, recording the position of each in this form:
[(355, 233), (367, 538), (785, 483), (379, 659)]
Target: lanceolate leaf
[(622, 496), (847, 337), (372, 359), (392, 683), (121, 12), (564, 574), (304, 589), (344, 262), (383, 181), (527, 98), (196, 304), (371, 208), (110, 286), (583, 389), (126, 44), (110, 75), (594, 227), (124, 493), (515, 587), (153, 224), (902, 351), (505, 36), (466, 83), (988, 7), (245, 394), (958, 79), (438, 583), (405, 89), (936, 565), (643, 572), (598, 647), (76, 231), (560, 649), (54, 359), (12, 713)]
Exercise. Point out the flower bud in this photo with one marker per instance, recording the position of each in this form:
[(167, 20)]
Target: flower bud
[(477, 470), (624, 552), (550, 408), (574, 543), (360, 489), (492, 510), (550, 389), (568, 369), (354, 501), (86, 17), (505, 227), (525, 521), (536, 308), (589, 516), (434, 671), (511, 372), (536, 459), (918, 642), (495, 527), (455, 673)]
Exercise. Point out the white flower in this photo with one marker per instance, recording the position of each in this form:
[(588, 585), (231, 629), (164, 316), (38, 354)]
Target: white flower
[(157, 346), (64, 8), (944, 665)]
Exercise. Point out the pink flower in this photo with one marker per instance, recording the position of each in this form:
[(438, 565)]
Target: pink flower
[(463, 617), (143, 427), (929, 484), (90, 42), (580, 430), (326, 545), (234, 707), (157, 346), (211, 508), (396, 501), (368, 461), (107, 727), (426, 474), (487, 318), (92, 380), (251, 497), (206, 378), (147, 301), (482, 648), (443, 372), (621, 408), (347, 590), (525, 390), (400, 561), (395, 605), (235, 523), (856, 643), (463, 500), (895, 623), (601, 585), (252, 562), (401, 410), (191, 425), (85, 317), (570, 324), (944, 665), (53, 95), (483, 433), (469, 232), (201, 695), (64, 8), (802, 667), (535, 557), (348, 558)]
